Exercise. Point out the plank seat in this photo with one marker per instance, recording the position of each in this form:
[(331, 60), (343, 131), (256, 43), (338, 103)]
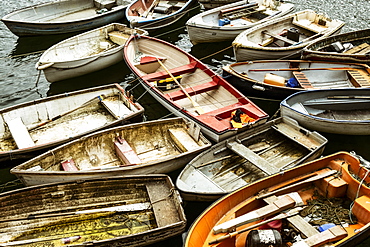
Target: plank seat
[(198, 89), (359, 78), (360, 49), (125, 152), (182, 139), (297, 221), (302, 79), (20, 133), (252, 157), (279, 37), (187, 68)]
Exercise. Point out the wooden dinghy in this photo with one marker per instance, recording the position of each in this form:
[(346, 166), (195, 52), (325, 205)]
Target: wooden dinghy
[(159, 146), (348, 47), (277, 79), (29, 128), (189, 89), (338, 111), (247, 157), (226, 22), (323, 202), (284, 37), (116, 211), (64, 16), (153, 15), (85, 53)]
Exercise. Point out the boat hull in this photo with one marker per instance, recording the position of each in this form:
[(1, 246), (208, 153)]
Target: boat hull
[(81, 16), (62, 205), (44, 122), (158, 155), (210, 107), (197, 180), (247, 199), (315, 51), (252, 78), (248, 45), (354, 122), (74, 57), (204, 27)]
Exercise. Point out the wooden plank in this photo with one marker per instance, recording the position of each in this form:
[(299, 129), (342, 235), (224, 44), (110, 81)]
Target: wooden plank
[(165, 211), (284, 202), (360, 78), (279, 37), (302, 79), (297, 221), (357, 49), (332, 234), (20, 133), (115, 107), (251, 156), (183, 140)]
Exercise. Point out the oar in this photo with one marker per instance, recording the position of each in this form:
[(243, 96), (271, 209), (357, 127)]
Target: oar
[(280, 216), (199, 110), (93, 100), (300, 69), (121, 208), (308, 180)]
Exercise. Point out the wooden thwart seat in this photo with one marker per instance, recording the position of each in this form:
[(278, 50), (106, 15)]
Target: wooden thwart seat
[(359, 78), (360, 49), (279, 37), (20, 133), (205, 87), (302, 79), (187, 68), (251, 156), (182, 139)]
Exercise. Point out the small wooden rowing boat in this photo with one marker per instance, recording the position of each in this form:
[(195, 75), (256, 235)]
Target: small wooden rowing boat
[(64, 16), (325, 201), (29, 128), (226, 22), (159, 146), (277, 79), (348, 47), (189, 89), (85, 53), (338, 111), (284, 37), (153, 15), (242, 159), (115, 211)]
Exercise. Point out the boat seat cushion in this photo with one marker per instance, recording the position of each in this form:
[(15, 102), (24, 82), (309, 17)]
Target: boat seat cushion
[(20, 133)]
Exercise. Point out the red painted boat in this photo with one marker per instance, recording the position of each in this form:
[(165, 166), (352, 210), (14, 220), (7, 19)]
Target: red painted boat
[(325, 201), (189, 89)]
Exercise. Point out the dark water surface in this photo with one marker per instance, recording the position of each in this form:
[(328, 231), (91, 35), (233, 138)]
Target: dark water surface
[(20, 81)]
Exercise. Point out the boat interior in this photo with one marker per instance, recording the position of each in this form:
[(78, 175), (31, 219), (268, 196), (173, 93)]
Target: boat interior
[(68, 10), (250, 157), (66, 117), (302, 27), (308, 75), (89, 44), (154, 9), (94, 211), (188, 83), (120, 147), (336, 107), (333, 194)]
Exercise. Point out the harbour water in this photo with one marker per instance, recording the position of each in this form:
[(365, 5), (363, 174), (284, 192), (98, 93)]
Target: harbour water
[(21, 82)]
